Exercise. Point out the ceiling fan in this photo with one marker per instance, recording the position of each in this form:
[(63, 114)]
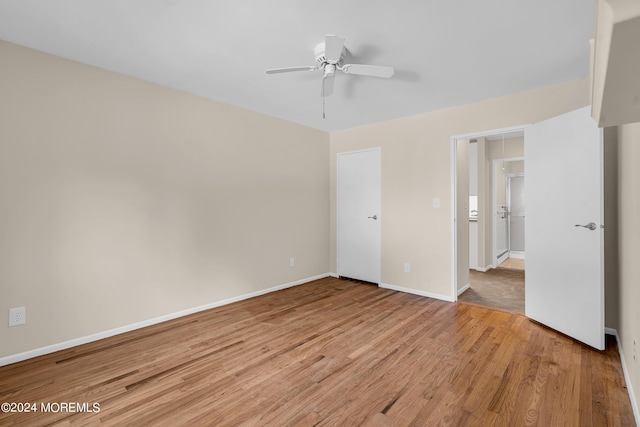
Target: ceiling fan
[(329, 58)]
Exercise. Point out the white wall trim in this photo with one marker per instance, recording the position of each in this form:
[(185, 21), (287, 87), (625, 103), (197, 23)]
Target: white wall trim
[(464, 288), (516, 254), (454, 218), (416, 292), (503, 258), (138, 325), (627, 379), (485, 269)]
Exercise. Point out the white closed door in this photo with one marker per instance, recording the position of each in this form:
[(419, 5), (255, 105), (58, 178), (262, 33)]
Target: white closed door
[(358, 216), (564, 283)]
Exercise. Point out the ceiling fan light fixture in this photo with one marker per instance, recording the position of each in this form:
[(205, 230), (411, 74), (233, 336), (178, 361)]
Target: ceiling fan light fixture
[(329, 70)]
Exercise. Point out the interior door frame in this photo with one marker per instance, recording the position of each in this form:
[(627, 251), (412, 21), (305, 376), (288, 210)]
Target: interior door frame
[(454, 192), (364, 150)]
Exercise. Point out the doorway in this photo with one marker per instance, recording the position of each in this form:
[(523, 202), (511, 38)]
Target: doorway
[(510, 214), (564, 288), (492, 273)]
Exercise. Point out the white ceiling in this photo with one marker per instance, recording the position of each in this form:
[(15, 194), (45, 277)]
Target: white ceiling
[(445, 52)]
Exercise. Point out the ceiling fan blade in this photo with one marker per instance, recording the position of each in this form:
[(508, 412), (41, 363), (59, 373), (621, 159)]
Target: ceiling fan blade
[(290, 69), (333, 48), (368, 70), (327, 86)]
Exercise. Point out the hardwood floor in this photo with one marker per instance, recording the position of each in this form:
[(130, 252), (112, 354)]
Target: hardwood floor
[(330, 352), (514, 263)]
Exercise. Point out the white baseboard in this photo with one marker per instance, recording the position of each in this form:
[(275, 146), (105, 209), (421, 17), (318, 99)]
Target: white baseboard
[(611, 331), (627, 379), (516, 254), (485, 269), (127, 328), (333, 275), (416, 292), (503, 258), (464, 288)]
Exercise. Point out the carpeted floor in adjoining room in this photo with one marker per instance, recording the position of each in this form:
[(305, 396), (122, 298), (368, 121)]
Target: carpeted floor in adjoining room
[(501, 287)]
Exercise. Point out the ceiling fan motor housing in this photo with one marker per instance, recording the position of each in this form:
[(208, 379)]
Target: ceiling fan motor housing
[(321, 59)]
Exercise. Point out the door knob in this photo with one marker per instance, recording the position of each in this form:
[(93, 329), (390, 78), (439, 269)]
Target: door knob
[(373, 217), (591, 226)]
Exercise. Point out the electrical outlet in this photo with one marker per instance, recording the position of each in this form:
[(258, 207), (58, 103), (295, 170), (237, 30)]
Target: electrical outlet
[(17, 316), (407, 267), (635, 353), (292, 262)]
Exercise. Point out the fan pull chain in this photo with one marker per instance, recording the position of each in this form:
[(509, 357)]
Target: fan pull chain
[(323, 116)]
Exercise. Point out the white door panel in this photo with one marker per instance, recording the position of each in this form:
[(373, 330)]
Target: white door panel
[(359, 195), (564, 283)]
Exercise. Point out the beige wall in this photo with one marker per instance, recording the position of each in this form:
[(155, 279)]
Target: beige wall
[(513, 147), (611, 257), (121, 201), (627, 317), (514, 167)]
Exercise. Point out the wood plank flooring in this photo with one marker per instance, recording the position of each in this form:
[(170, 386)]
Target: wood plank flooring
[(330, 352), (514, 263)]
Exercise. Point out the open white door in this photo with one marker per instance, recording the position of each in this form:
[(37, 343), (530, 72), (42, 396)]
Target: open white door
[(359, 197), (564, 284)]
